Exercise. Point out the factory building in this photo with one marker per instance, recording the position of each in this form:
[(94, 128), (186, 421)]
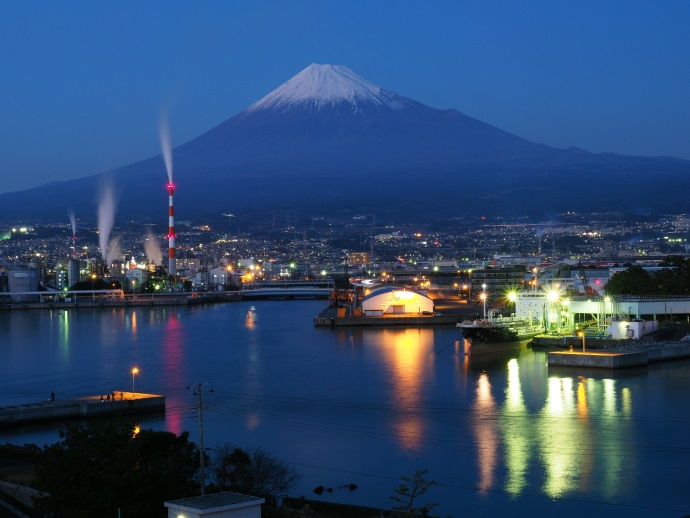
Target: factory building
[(22, 279), (73, 273)]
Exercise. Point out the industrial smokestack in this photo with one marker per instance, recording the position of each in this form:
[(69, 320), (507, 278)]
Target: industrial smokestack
[(172, 267), (73, 221)]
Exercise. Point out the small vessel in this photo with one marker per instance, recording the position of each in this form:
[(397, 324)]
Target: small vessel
[(509, 329), (198, 298)]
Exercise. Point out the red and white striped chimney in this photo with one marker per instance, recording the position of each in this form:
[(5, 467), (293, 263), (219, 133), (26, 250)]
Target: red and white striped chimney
[(172, 267)]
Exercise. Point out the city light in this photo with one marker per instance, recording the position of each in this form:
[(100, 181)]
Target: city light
[(135, 371)]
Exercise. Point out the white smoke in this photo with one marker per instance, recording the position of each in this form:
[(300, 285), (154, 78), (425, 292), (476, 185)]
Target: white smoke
[(106, 217), (73, 221), (166, 146), (114, 250), (152, 248)]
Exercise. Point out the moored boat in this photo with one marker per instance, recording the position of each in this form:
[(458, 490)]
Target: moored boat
[(499, 330)]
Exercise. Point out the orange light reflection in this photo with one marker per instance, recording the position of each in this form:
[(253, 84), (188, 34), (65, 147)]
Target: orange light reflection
[(408, 356), (486, 433)]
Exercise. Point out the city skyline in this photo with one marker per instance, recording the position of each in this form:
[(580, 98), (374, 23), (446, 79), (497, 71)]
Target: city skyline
[(86, 85)]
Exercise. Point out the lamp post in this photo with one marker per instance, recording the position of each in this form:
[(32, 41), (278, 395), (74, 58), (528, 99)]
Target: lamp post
[(512, 298), (582, 334), (482, 296), (552, 299), (135, 371)]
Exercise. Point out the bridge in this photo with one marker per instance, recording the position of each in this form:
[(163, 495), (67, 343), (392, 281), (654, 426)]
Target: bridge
[(320, 289)]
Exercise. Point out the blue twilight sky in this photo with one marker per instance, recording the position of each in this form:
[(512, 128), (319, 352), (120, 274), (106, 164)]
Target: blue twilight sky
[(83, 83)]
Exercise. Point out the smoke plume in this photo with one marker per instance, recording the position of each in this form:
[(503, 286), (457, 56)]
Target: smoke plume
[(114, 250), (106, 217), (166, 146), (152, 248), (73, 221)]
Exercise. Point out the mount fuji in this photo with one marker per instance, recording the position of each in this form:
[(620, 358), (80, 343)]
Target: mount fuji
[(328, 139)]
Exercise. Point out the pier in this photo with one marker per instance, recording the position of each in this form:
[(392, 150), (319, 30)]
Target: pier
[(81, 407), (329, 317), (629, 356)]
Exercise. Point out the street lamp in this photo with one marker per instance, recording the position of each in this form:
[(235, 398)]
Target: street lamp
[(582, 334), (482, 296), (552, 298), (135, 370)]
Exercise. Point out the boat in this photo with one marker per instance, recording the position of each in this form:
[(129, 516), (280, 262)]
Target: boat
[(199, 298), (509, 329)]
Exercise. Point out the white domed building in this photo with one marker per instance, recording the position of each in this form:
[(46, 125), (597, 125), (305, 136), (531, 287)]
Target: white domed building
[(393, 300)]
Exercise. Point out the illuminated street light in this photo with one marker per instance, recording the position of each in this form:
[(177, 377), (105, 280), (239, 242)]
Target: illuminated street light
[(582, 334), (552, 298), (482, 296), (135, 370)]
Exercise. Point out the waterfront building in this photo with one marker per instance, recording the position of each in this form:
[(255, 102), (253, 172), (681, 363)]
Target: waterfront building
[(73, 272), (497, 281), (358, 258), (393, 300), (136, 277), (21, 279)]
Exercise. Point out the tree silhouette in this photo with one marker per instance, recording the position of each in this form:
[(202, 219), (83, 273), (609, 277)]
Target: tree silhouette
[(253, 471), (98, 469), (409, 490)]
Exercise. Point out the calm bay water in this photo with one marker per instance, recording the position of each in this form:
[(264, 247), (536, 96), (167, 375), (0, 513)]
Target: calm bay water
[(499, 431)]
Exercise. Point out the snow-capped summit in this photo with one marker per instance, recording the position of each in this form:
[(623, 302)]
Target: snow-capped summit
[(323, 86)]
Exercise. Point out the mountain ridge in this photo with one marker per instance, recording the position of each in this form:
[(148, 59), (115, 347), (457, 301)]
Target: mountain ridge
[(326, 138)]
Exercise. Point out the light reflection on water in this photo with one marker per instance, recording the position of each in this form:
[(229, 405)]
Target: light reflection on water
[(497, 429), (409, 363)]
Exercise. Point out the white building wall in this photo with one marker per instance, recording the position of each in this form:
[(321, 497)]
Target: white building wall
[(530, 304), (397, 302)]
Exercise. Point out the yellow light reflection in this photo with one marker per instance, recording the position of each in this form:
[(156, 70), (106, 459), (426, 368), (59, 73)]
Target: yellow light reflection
[(610, 397), (249, 322), (133, 324), (582, 399), (627, 401), (408, 356), (486, 433)]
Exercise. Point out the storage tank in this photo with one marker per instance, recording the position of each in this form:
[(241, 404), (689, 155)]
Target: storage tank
[(73, 273), (22, 279)]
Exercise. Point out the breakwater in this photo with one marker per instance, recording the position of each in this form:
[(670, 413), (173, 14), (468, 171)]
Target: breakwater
[(628, 355), (144, 300), (88, 406)]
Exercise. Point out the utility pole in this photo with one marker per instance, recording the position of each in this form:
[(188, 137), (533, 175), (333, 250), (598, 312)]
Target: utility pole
[(202, 462)]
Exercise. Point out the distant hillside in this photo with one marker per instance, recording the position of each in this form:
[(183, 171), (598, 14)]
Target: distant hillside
[(328, 139)]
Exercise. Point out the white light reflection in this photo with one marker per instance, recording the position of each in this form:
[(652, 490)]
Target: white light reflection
[(486, 433), (515, 427), (579, 437), (558, 434)]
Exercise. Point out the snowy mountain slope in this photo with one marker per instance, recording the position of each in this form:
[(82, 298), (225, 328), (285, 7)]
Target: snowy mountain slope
[(319, 87)]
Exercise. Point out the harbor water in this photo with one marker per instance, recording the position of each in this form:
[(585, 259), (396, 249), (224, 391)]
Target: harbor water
[(498, 430)]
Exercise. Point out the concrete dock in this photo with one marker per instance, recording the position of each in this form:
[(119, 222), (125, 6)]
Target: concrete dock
[(82, 407), (630, 356)]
